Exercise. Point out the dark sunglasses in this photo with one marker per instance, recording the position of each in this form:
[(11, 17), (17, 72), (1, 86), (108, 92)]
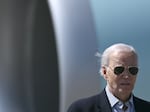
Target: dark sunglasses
[(120, 69)]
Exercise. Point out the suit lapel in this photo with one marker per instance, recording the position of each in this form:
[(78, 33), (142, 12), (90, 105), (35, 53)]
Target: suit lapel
[(103, 104), (137, 105)]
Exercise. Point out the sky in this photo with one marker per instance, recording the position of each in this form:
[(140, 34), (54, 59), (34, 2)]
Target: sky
[(128, 22)]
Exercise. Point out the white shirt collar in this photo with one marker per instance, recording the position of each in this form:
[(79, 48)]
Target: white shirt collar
[(112, 99)]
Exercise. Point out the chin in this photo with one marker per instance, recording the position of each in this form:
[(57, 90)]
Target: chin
[(124, 90)]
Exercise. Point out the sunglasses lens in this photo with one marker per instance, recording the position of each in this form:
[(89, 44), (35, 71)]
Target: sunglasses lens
[(118, 70), (133, 70)]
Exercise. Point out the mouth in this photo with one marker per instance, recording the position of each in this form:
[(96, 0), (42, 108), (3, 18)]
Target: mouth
[(125, 84)]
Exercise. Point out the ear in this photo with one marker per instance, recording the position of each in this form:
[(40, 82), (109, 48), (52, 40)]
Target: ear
[(104, 72)]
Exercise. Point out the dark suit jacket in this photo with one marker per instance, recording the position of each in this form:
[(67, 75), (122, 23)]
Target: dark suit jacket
[(100, 103)]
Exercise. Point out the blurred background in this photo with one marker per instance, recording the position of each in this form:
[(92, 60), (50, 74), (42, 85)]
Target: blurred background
[(48, 47), (28, 59)]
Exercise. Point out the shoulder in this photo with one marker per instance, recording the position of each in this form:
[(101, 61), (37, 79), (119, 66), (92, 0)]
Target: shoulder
[(140, 100), (84, 104), (141, 103)]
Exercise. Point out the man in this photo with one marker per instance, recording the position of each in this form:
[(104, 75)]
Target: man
[(119, 67)]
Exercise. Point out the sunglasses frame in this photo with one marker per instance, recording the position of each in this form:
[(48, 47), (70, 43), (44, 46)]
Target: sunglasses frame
[(124, 68)]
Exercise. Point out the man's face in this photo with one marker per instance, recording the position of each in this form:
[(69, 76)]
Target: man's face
[(122, 83)]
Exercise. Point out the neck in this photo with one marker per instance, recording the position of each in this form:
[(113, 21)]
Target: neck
[(122, 96)]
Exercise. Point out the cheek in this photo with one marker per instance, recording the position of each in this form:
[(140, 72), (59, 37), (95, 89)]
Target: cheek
[(134, 80), (113, 83), (109, 76), (113, 80)]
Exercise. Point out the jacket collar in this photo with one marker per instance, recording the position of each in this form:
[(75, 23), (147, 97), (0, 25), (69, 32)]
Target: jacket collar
[(103, 104)]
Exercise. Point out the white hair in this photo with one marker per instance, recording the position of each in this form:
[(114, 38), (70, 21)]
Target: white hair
[(115, 47)]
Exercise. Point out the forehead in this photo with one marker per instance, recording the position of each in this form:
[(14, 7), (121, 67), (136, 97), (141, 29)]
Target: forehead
[(123, 58)]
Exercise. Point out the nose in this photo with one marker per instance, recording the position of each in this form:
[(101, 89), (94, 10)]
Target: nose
[(126, 74)]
